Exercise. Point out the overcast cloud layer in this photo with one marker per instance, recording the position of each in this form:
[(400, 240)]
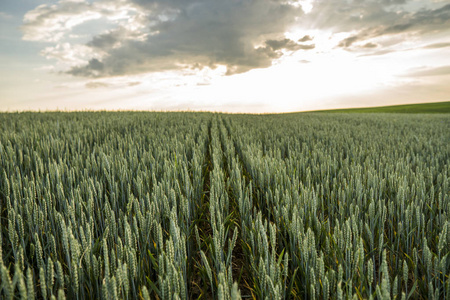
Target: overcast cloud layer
[(141, 36)]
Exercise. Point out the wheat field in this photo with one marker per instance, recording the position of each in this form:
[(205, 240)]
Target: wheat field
[(145, 205)]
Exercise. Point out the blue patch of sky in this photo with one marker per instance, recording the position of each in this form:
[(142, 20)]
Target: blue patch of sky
[(12, 46), (11, 19), (18, 8)]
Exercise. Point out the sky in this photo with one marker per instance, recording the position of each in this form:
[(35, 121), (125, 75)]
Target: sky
[(255, 56)]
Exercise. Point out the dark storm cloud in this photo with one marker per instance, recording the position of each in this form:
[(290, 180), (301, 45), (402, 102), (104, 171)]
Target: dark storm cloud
[(202, 33)]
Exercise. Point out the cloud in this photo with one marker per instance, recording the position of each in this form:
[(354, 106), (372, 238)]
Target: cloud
[(379, 52), (439, 71), (69, 55), (366, 20), (111, 83), (286, 44), (4, 15), (50, 23), (437, 46), (171, 34), (348, 41), (370, 45), (53, 23), (96, 85), (205, 33), (305, 38), (94, 68), (127, 37)]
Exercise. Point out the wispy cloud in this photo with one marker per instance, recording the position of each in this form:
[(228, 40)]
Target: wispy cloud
[(367, 22), (6, 16), (426, 72), (437, 46), (96, 85)]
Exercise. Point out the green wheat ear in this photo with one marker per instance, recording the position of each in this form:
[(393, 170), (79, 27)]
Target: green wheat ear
[(42, 283)]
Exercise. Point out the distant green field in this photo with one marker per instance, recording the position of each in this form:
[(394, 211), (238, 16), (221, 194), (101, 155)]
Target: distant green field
[(439, 107)]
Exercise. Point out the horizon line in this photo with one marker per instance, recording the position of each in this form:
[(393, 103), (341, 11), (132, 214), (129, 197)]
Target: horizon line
[(65, 110)]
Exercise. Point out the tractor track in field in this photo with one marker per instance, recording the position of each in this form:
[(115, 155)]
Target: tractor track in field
[(196, 283), (240, 269)]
